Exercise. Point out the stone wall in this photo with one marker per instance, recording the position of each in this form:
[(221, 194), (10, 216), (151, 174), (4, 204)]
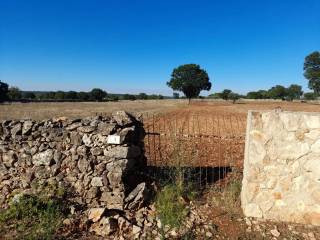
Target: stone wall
[(282, 167), (75, 155)]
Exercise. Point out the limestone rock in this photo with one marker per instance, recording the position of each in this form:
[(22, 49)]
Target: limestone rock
[(92, 193), (121, 152), (16, 129), (115, 178), (75, 138), (43, 158), (87, 140), (95, 214), (27, 127), (122, 118), (113, 200), (74, 126), (97, 182), (138, 195), (275, 232), (9, 158), (83, 164), (87, 129), (106, 128), (96, 151), (105, 227), (82, 150)]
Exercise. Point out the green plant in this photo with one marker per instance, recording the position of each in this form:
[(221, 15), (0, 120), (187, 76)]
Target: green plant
[(32, 217), (229, 198), (171, 206)]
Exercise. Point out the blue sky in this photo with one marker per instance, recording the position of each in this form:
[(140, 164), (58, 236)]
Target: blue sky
[(133, 45)]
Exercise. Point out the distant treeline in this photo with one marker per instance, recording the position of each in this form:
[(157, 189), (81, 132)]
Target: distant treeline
[(290, 93), (277, 92), (15, 94)]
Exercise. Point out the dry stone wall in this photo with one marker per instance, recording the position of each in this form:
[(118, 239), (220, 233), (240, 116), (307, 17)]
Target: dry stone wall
[(75, 155), (282, 167)]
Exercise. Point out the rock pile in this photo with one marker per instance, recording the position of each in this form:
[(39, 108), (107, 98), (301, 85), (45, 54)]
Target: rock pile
[(78, 156)]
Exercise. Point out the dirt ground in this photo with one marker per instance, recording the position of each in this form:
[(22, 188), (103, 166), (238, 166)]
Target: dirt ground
[(211, 133)]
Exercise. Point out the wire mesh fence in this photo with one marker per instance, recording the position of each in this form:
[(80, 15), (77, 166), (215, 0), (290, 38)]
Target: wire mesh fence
[(204, 148)]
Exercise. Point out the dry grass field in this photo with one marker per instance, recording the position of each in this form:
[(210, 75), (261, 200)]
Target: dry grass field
[(175, 107), (39, 111)]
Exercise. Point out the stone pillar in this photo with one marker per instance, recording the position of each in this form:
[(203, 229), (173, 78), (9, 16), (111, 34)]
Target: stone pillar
[(281, 168)]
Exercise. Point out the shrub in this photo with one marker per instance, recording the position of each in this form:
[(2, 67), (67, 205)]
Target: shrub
[(170, 206)]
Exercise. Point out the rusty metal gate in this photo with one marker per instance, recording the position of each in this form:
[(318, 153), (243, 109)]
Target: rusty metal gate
[(205, 147)]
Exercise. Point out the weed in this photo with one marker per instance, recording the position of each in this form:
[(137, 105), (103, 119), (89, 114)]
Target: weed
[(229, 198), (171, 206), (32, 217)]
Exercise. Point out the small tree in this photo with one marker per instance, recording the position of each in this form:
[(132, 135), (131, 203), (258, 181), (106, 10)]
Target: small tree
[(234, 97), (83, 96), (142, 96), (14, 93), (312, 71), (71, 95), (129, 97), (189, 79), (97, 94), (310, 96), (294, 91), (29, 95), (60, 95), (278, 92), (4, 88), (225, 94), (175, 95)]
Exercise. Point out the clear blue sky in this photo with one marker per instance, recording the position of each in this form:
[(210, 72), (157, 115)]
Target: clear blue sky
[(133, 45)]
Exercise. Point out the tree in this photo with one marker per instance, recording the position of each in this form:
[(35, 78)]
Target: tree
[(189, 79), (278, 92), (310, 96), (113, 97), (83, 96), (225, 94), (261, 94), (175, 95), (294, 91), (215, 95), (71, 95), (4, 88), (97, 94), (142, 96), (234, 97), (129, 97), (312, 71), (60, 95), (132, 97), (29, 95), (14, 93)]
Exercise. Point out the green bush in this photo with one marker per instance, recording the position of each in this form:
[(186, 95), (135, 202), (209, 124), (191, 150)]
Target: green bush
[(32, 217), (170, 206)]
